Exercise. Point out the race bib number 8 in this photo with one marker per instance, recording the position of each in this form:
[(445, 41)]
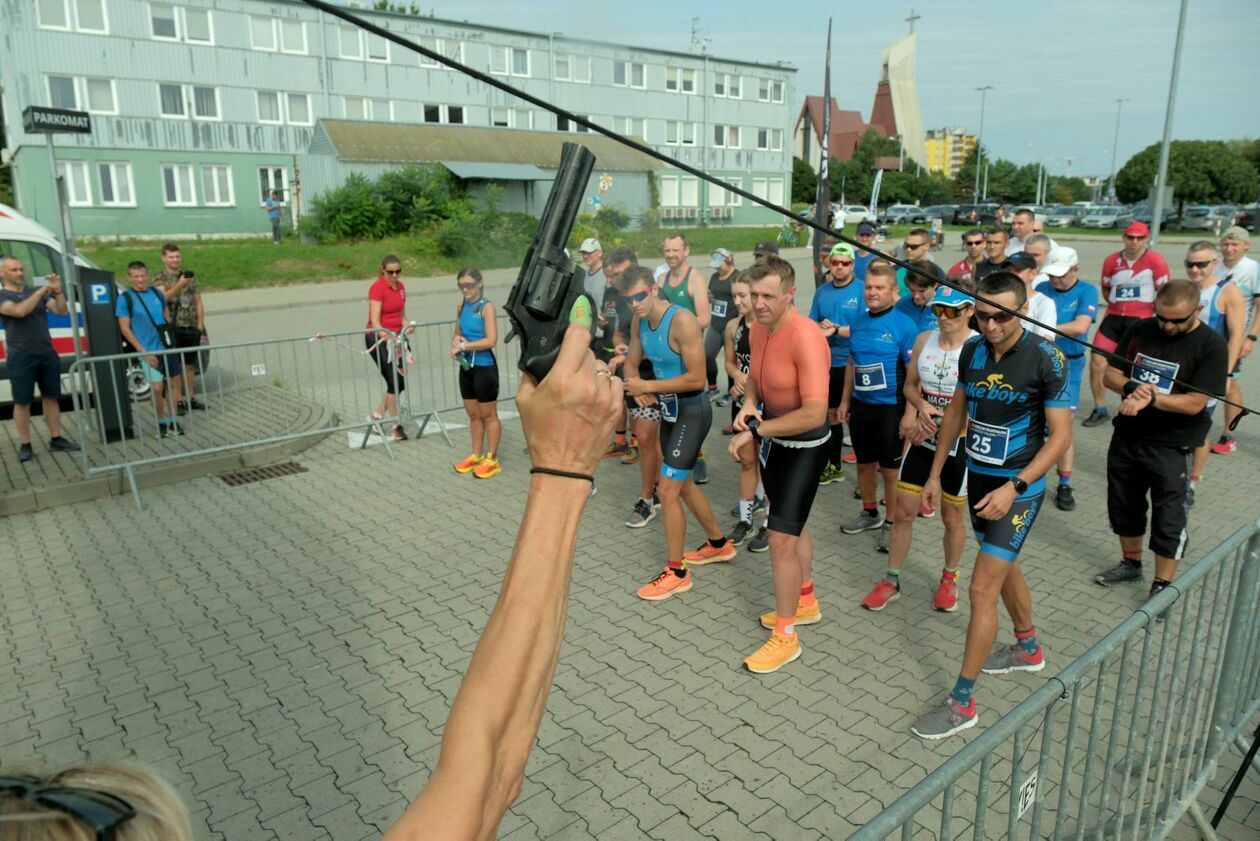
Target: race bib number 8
[(1157, 372), (986, 443), (869, 377)]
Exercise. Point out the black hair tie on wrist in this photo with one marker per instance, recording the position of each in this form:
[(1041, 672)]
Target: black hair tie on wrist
[(547, 471)]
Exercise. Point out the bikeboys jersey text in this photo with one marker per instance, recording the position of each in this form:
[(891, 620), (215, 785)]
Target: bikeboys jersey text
[(1007, 401)]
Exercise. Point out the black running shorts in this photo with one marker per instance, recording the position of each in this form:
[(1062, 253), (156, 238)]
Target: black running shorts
[(1136, 469), (790, 475), (480, 383), (873, 427), (916, 466), (1005, 537), (685, 421)]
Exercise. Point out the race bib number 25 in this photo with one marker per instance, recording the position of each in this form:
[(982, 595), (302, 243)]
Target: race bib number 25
[(986, 443)]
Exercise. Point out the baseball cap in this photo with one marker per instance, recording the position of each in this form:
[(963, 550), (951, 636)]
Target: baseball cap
[(842, 249), (865, 228), (1236, 232), (720, 256), (588, 245), (1020, 260), (1137, 229), (949, 297), (1060, 261), (766, 246)]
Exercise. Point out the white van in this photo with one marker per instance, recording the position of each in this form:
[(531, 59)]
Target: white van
[(41, 254)]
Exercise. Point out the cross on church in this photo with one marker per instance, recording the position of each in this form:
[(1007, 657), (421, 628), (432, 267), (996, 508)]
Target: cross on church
[(913, 17)]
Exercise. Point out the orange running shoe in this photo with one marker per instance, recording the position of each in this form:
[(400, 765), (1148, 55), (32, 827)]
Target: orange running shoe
[(467, 465), (665, 585), (777, 652), (706, 554), (804, 616), (488, 467)]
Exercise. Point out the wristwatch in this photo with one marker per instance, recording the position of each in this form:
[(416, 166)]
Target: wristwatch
[(753, 424), (1020, 484)]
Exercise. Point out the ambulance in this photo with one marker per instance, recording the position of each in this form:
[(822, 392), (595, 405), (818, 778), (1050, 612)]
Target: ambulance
[(41, 254)]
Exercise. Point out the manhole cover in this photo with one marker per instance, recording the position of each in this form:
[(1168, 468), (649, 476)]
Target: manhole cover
[(257, 474)]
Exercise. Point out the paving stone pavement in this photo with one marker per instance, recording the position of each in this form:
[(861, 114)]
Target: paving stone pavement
[(287, 651)]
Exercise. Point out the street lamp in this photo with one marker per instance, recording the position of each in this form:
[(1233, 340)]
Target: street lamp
[(1115, 147), (975, 193)]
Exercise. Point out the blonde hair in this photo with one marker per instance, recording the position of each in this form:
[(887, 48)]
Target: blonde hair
[(160, 813)]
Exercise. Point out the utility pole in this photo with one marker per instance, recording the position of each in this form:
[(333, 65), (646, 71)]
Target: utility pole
[(1115, 146), (1157, 212), (975, 193)]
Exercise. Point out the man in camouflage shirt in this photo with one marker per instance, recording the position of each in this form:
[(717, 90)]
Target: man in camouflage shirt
[(188, 322)]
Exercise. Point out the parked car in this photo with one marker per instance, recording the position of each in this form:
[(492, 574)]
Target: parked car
[(1202, 217), (1246, 216), (1062, 216), (976, 214), (944, 212), (854, 213), (1106, 217), (1146, 214), (903, 214)]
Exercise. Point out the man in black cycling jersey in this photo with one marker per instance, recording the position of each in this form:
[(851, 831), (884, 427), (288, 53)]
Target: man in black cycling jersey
[(1012, 387)]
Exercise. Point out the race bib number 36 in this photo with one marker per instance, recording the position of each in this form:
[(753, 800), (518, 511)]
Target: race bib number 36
[(1157, 372), (869, 377), (986, 443)]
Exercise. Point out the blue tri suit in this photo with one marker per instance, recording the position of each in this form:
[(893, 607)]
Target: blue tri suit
[(1070, 304), (1007, 401), (686, 417)]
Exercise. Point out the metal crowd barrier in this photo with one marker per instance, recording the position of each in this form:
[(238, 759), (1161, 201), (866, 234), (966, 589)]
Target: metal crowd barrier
[(433, 380), (256, 393), (1122, 741)]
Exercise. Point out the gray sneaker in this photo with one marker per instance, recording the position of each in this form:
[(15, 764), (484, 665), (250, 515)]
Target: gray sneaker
[(700, 473), (1119, 574), (866, 521), (1013, 659), (1097, 417), (642, 514), (946, 720), (739, 533), (760, 543), (881, 545)]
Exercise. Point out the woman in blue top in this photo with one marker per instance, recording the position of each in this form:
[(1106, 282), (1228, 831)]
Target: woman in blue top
[(476, 334)]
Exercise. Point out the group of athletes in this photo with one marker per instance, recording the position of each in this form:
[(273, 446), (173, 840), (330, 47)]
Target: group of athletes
[(949, 399)]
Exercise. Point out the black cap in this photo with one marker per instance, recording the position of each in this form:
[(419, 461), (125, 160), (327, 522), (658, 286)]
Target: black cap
[(866, 228), (766, 246), (1019, 261)]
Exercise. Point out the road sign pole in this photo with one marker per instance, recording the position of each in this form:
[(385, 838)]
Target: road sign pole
[(69, 272)]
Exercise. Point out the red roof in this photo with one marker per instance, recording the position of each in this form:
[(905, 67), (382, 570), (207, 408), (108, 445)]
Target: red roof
[(883, 119), (847, 127)]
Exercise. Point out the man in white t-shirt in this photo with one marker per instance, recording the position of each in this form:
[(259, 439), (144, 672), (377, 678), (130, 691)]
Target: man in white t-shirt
[(592, 254), (1021, 229), (1239, 269), (1040, 307)]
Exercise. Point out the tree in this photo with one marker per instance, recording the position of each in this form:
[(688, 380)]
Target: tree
[(805, 182), (1198, 171)]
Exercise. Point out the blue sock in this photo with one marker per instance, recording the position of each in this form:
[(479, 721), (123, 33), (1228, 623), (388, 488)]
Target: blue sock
[(1065, 479), (962, 690), (1027, 640)]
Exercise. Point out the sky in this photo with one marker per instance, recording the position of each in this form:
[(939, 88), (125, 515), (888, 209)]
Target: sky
[(1056, 66)]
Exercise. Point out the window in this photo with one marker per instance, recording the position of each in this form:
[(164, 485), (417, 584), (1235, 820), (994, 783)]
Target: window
[(734, 199), (272, 34), (453, 50), (81, 15), (717, 196), (564, 124), (776, 91), (171, 100), (100, 96), (629, 74), (216, 186), (278, 108), (680, 80), (205, 103), (573, 68), (177, 185), (453, 114), (355, 108), (726, 137), (726, 84), (363, 108), (511, 118), (669, 191), (680, 134), (75, 179), (770, 91), (179, 23), (775, 195), (770, 139), (759, 187), (349, 43), (505, 60), (272, 178), (377, 48), (62, 92), (763, 90), (117, 188), (689, 191), (631, 127)]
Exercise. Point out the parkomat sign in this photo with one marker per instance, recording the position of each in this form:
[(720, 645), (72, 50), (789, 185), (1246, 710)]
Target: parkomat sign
[(37, 120)]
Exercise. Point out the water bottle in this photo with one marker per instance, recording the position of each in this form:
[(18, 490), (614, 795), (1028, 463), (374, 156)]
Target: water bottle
[(464, 358)]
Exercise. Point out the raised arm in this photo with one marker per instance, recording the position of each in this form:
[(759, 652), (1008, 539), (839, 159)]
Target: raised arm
[(494, 720)]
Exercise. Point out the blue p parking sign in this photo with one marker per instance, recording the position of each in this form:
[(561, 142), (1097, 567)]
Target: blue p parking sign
[(99, 293)]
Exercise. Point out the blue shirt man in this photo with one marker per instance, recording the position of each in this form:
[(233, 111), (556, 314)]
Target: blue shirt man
[(837, 302), (1076, 308), (917, 303), (862, 258), (272, 206)]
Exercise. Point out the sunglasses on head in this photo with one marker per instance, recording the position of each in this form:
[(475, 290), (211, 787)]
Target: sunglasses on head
[(946, 311), (996, 317), (637, 298), (1163, 319), (1198, 264), (99, 811)]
